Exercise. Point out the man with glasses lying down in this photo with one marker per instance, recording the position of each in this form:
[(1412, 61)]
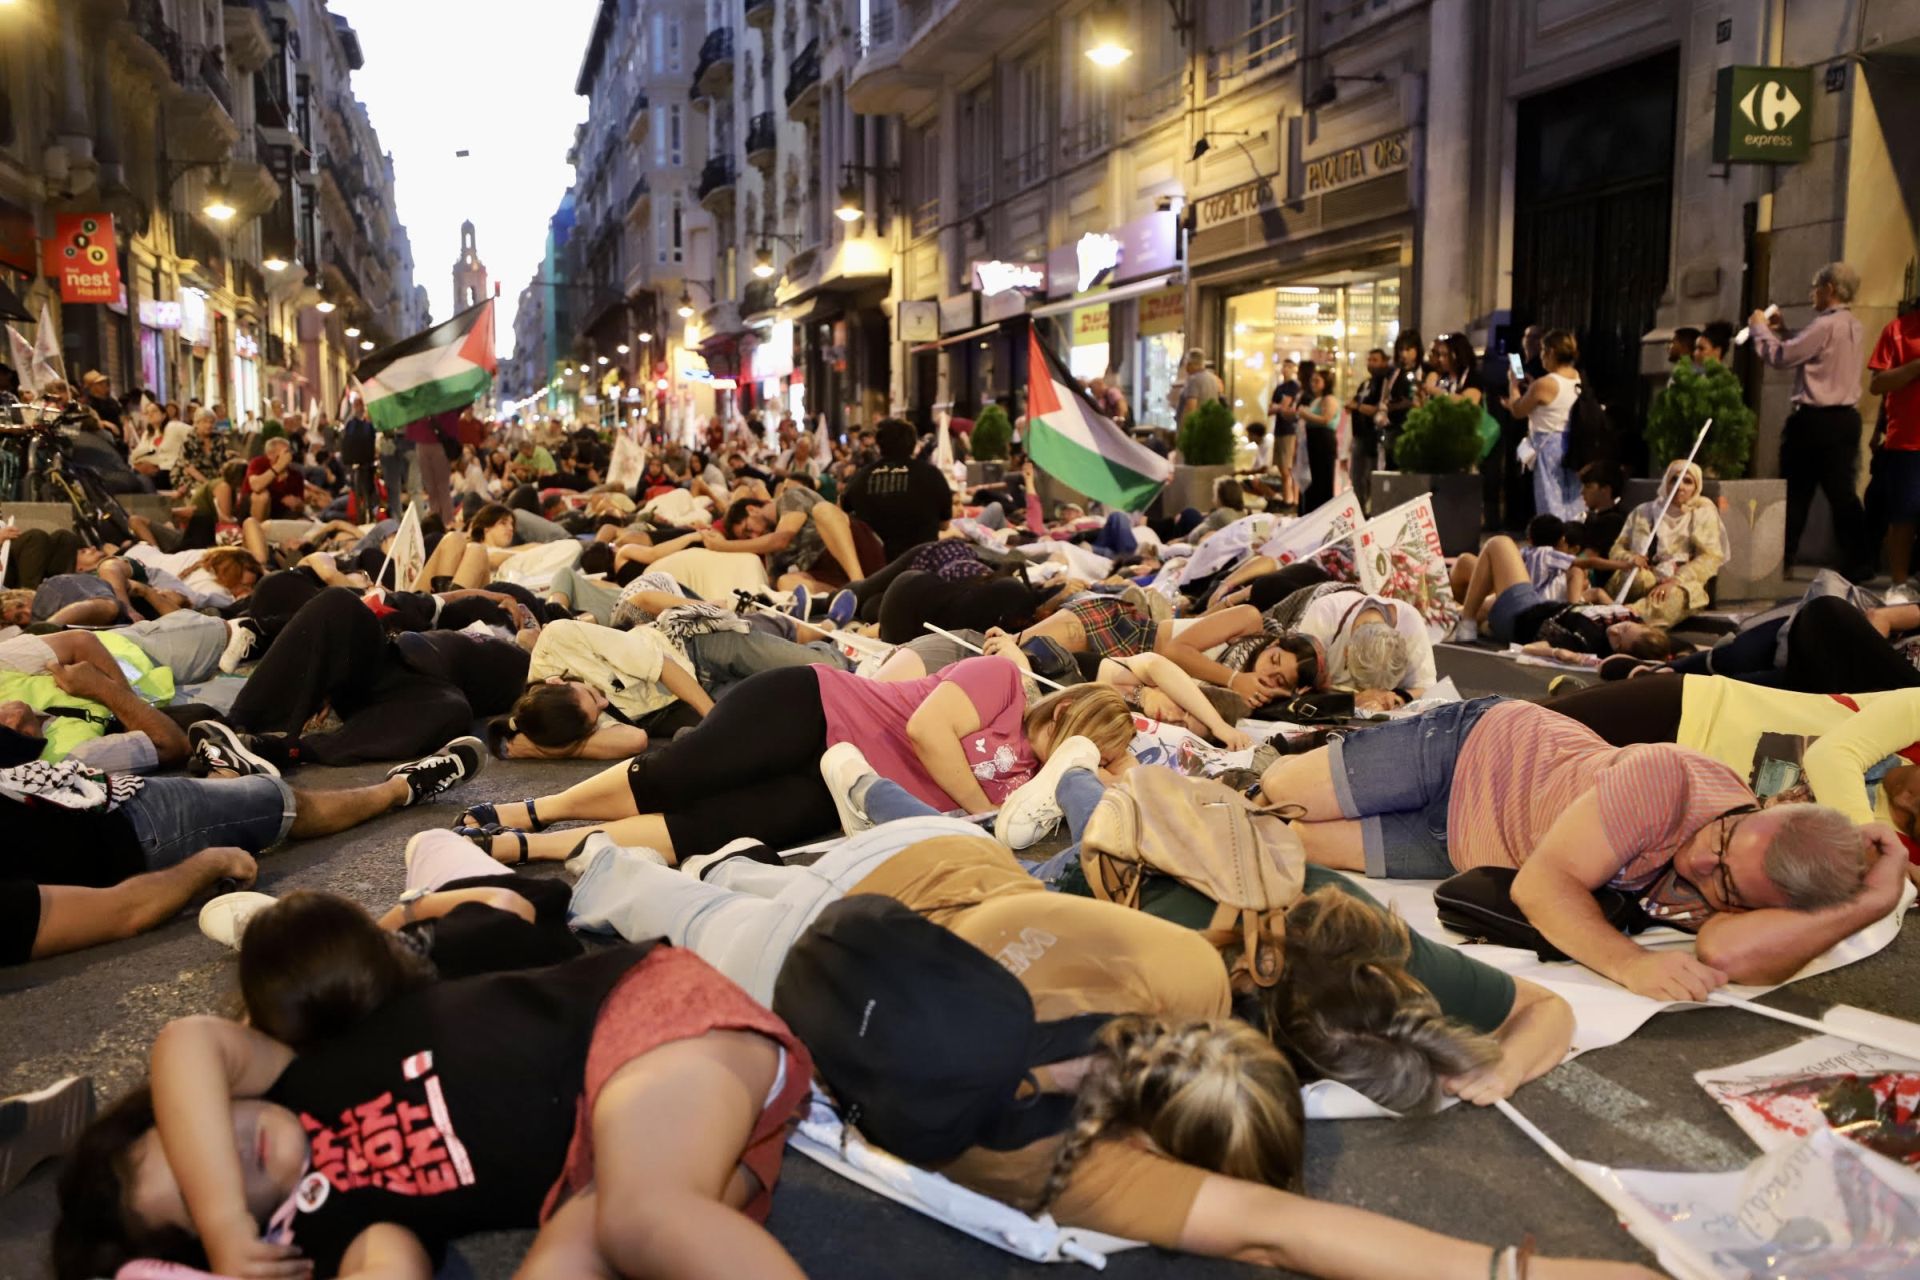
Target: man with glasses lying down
[(1511, 784)]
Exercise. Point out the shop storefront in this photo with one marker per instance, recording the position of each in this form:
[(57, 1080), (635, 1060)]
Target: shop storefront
[(1314, 265), (1117, 298)]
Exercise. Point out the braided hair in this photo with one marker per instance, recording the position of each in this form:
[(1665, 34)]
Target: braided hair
[(1348, 1009), (1215, 1095)]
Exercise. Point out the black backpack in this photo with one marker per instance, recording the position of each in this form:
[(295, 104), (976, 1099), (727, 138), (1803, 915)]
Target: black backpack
[(923, 1038), (1589, 431)]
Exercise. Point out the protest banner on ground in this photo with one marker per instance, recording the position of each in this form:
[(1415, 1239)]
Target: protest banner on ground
[(1867, 1095), (1398, 557)]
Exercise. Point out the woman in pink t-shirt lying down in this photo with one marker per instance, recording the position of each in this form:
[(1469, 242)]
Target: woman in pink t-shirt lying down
[(1496, 783), (961, 739)]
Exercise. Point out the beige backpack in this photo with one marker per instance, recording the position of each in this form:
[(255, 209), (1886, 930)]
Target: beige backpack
[(1210, 838)]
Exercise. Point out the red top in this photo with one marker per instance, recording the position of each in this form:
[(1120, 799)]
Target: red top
[(291, 485), (1899, 343)]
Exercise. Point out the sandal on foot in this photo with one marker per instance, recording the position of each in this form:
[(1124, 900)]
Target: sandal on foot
[(484, 836), (488, 815)]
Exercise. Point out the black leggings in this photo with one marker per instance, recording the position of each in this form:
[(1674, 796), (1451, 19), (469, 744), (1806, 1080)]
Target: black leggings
[(1269, 589), (1323, 454), (980, 604), (335, 651), (751, 768), (1831, 648), (1627, 712), (871, 590)]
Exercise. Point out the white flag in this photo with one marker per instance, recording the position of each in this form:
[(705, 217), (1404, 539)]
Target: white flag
[(822, 446), (943, 442), (408, 554), (628, 462), (20, 352), (47, 365)]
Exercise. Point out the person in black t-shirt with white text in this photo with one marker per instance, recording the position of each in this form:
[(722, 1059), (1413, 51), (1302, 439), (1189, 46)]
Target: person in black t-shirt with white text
[(904, 500)]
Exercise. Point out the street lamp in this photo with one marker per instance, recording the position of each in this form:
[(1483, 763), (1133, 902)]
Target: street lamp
[(600, 359), (644, 337), (324, 307), (366, 344), (685, 309), (352, 331), (1107, 44), (763, 263), (848, 209), (274, 262), (623, 348), (216, 206)]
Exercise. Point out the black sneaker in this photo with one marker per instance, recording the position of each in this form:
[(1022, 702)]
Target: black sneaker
[(218, 748), (35, 1127), (445, 769)]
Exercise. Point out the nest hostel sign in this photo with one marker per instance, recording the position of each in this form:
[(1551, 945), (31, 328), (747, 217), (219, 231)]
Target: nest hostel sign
[(1762, 115)]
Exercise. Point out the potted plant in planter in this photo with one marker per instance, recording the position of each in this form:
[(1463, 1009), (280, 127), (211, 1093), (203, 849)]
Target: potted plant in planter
[(1205, 448), (988, 446), (1754, 511), (1436, 454)]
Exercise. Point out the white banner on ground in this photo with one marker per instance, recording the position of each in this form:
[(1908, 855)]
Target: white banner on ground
[(1329, 522), (1228, 546), (1817, 1207), (1398, 556), (1816, 1085)]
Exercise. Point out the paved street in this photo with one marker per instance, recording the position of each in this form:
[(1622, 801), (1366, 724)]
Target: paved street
[(1465, 1172)]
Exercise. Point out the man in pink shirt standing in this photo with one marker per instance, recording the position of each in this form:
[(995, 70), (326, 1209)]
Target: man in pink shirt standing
[(1497, 783), (1820, 447)]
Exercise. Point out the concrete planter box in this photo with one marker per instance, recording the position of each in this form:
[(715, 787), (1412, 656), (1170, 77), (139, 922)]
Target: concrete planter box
[(1192, 487), (1755, 513), (1456, 503)]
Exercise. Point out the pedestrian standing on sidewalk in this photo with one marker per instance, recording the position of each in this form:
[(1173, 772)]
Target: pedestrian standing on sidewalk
[(1820, 447), (1368, 407), (1895, 365)]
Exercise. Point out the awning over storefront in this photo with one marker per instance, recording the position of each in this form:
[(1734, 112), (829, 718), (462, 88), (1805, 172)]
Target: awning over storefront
[(981, 332), (1139, 288)]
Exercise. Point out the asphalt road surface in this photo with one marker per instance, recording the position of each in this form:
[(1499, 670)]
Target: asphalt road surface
[(1466, 1172)]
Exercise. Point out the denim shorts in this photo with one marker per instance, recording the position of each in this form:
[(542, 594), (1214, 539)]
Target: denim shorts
[(1509, 605), (1397, 779), (175, 818)]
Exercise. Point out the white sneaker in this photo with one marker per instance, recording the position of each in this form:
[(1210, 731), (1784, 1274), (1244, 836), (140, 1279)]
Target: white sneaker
[(1466, 631), (225, 918), (1032, 810), (843, 766), (598, 843), (243, 637)]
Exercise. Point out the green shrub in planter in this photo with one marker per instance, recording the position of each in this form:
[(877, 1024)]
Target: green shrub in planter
[(1441, 437), (1206, 436), (992, 435), (1693, 396)]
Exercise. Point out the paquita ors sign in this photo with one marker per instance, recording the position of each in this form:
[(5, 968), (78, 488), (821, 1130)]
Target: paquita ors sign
[(81, 257), (1351, 165)]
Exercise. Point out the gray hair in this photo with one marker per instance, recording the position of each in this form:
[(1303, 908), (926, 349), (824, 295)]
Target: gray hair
[(205, 415), (1376, 656), (1841, 278), (1816, 858)]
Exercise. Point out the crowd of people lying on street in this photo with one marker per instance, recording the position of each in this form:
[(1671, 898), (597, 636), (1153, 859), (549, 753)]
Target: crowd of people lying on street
[(1096, 985)]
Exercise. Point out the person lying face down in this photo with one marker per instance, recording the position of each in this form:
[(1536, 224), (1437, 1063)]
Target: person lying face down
[(1496, 783)]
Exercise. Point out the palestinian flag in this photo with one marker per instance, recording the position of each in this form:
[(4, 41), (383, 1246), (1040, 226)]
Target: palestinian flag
[(447, 367), (1074, 442)]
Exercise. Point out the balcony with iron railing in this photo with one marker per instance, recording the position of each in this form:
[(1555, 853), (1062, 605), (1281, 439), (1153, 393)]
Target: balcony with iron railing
[(926, 218), (715, 190), (763, 142), (759, 13), (956, 38), (1034, 165), (878, 84), (1341, 21), (803, 81), (1261, 49), (639, 119), (757, 298), (199, 108), (194, 242), (159, 43), (1087, 137), (1156, 102), (214, 76), (713, 73), (974, 192), (639, 199), (248, 27)]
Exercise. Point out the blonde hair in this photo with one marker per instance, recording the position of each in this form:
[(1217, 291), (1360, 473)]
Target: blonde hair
[(1215, 1095), (1096, 712), (1349, 1009)]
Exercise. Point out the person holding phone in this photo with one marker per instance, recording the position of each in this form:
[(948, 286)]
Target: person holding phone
[(1545, 406)]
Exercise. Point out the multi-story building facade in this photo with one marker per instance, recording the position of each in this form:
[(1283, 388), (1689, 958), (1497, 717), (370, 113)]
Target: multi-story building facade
[(166, 114), (1258, 179)]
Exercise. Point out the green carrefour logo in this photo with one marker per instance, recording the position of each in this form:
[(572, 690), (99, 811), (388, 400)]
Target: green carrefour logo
[(1762, 114)]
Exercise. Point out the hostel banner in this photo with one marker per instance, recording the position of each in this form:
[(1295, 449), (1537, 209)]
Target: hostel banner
[(81, 258)]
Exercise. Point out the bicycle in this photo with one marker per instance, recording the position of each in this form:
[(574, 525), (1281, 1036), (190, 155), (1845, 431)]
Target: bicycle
[(37, 464)]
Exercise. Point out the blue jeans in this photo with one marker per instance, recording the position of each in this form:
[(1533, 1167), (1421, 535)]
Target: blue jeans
[(175, 818), (1079, 791), (1555, 489), (1397, 780)]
